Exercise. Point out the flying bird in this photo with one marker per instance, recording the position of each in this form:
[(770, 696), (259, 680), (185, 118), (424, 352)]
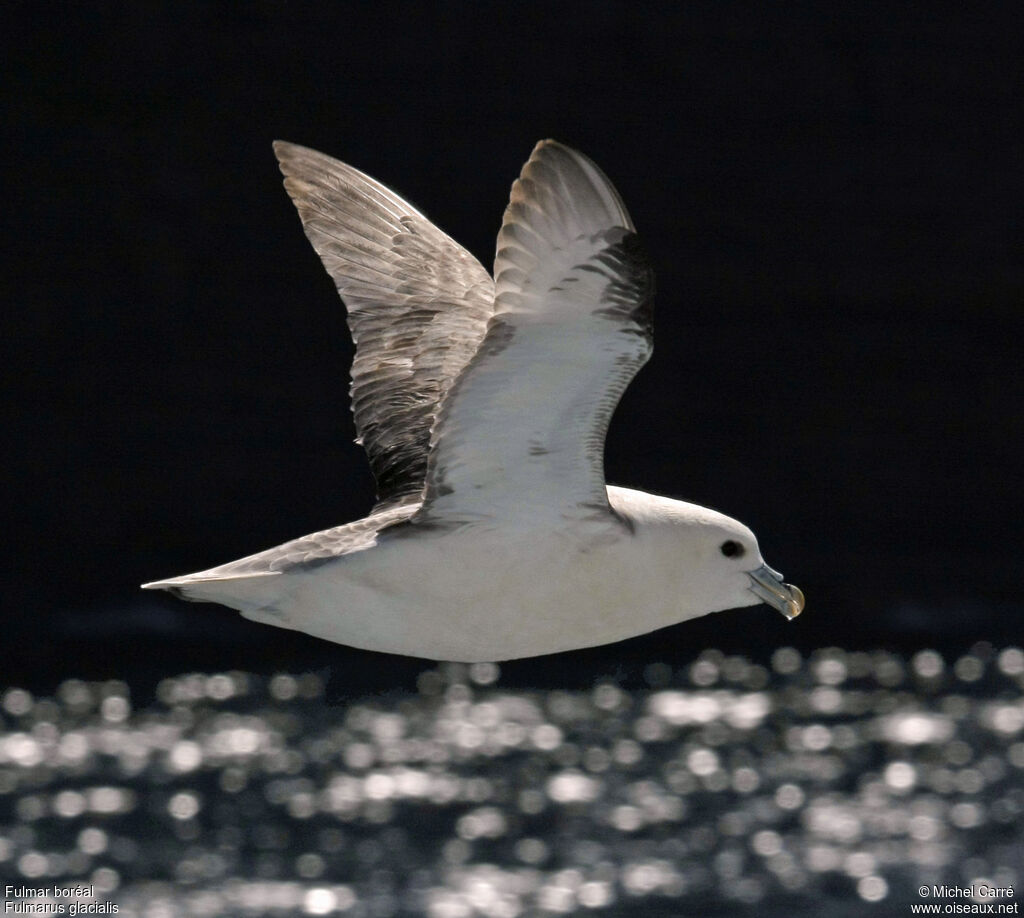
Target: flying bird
[(482, 404)]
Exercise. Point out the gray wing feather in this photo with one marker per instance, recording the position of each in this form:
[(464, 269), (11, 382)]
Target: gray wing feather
[(305, 552), (418, 305), (522, 431)]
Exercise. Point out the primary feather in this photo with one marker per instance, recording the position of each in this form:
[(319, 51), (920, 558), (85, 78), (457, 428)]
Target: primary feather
[(417, 302)]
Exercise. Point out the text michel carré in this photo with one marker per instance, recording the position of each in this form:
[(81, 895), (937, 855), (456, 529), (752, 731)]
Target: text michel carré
[(973, 892)]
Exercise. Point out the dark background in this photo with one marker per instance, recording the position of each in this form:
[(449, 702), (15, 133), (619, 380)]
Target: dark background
[(830, 194)]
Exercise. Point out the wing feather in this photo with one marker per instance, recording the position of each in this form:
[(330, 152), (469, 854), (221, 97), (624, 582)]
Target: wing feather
[(522, 430), (418, 305)]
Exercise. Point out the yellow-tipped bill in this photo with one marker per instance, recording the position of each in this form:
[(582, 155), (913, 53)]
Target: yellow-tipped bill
[(785, 597)]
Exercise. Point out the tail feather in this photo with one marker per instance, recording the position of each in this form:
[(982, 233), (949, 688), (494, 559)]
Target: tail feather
[(235, 590)]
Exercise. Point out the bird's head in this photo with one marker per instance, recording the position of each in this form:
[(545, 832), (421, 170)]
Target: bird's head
[(715, 559)]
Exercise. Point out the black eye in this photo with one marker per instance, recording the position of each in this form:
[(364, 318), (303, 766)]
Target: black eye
[(732, 549)]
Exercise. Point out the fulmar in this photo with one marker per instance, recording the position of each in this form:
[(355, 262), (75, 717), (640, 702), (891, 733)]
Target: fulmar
[(482, 405)]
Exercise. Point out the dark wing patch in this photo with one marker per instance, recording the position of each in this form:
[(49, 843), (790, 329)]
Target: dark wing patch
[(418, 305), (630, 292)]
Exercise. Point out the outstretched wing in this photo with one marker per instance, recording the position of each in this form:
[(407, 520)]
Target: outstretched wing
[(418, 305), (522, 431)]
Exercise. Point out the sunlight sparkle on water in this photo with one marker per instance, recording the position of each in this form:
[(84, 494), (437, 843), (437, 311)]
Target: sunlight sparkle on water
[(834, 776)]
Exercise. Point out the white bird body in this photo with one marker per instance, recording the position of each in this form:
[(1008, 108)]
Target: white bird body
[(492, 592), (483, 408)]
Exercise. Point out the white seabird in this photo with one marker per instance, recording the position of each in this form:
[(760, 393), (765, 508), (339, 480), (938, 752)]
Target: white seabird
[(483, 406)]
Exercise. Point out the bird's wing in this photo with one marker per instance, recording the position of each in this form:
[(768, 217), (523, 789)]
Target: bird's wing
[(306, 552), (522, 430), (418, 305)]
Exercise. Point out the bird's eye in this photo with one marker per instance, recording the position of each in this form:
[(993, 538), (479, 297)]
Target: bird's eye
[(732, 549)]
